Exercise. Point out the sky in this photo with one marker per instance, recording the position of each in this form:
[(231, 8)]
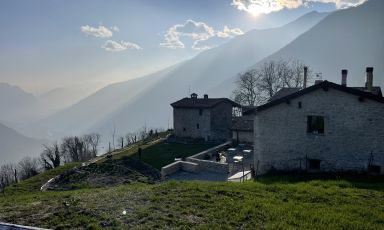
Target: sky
[(47, 44)]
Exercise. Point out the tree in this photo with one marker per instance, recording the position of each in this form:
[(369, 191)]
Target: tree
[(121, 141), (8, 175), (51, 157), (257, 86), (92, 141), (28, 167)]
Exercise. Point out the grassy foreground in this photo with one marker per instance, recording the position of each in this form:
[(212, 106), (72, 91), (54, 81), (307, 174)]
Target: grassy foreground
[(270, 203)]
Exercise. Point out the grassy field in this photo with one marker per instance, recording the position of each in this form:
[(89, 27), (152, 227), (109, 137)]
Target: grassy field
[(271, 203), (163, 153)]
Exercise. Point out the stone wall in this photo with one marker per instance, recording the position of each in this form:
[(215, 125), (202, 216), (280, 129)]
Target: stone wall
[(213, 124), (221, 121), (187, 118), (352, 130)]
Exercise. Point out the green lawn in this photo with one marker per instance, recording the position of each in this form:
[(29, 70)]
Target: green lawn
[(163, 153), (269, 204)]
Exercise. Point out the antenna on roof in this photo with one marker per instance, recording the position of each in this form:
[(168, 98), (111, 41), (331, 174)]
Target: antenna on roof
[(189, 89)]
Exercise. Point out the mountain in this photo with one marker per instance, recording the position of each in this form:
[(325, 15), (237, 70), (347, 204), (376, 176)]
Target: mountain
[(14, 146), (17, 105), (60, 98), (347, 39), (145, 101)]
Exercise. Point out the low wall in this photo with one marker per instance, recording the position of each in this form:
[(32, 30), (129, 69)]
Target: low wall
[(208, 165), (196, 163), (211, 151), (179, 165)]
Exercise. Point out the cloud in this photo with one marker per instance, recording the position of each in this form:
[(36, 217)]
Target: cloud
[(256, 7), (115, 46), (198, 32), (100, 32), (191, 29), (227, 32)]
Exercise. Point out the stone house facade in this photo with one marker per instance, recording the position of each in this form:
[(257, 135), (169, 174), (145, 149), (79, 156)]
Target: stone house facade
[(325, 127), (203, 118)]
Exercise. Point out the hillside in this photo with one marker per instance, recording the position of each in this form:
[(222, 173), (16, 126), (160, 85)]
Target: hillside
[(270, 203), (17, 105), (14, 146), (130, 105), (347, 39)]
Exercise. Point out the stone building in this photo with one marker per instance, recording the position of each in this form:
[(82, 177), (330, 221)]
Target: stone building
[(325, 127), (242, 129), (205, 118)]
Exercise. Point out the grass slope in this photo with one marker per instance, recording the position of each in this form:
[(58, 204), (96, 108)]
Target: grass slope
[(162, 154), (270, 203)]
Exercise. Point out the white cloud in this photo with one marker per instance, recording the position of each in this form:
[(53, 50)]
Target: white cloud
[(115, 46), (256, 7), (228, 32), (198, 32), (191, 29), (100, 32)]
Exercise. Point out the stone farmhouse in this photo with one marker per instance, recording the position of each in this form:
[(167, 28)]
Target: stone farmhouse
[(325, 127), (203, 118)]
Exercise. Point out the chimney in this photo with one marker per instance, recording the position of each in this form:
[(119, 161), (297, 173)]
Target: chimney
[(305, 77), (319, 78), (205, 96), (193, 95), (344, 74), (369, 79)]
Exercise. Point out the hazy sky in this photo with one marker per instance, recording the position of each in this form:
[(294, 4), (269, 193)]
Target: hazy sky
[(53, 43)]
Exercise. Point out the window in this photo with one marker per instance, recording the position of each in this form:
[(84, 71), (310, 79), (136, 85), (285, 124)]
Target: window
[(184, 129), (198, 126), (314, 164), (315, 124), (201, 112), (299, 105)]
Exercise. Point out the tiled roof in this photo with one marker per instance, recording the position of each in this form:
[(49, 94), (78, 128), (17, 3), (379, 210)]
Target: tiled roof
[(358, 91), (283, 92), (201, 102)]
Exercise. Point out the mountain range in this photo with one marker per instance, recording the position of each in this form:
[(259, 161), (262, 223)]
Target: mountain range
[(145, 101), (327, 42)]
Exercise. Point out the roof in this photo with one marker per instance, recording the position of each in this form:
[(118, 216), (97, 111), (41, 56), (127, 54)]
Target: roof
[(325, 85), (375, 90), (244, 123), (201, 102), (283, 92)]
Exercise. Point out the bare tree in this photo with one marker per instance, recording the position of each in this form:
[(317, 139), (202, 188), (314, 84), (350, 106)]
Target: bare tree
[(246, 91), (257, 86), (8, 175), (93, 141), (28, 167), (121, 141), (130, 138), (51, 157)]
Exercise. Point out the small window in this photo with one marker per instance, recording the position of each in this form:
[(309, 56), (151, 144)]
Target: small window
[(315, 124), (299, 105), (201, 112), (314, 164), (184, 129), (198, 126)]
